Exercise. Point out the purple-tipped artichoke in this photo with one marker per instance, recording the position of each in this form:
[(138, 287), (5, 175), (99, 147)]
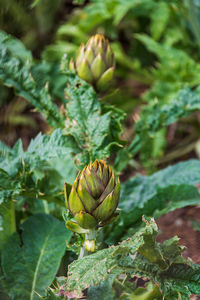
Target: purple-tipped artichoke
[(94, 196), (95, 62)]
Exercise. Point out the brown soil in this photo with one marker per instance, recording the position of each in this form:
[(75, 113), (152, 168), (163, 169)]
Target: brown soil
[(179, 222)]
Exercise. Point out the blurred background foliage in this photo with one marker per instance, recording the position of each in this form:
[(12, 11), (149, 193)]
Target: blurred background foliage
[(157, 49)]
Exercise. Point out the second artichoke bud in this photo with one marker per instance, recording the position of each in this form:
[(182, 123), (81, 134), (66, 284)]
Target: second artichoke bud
[(94, 196), (95, 62)]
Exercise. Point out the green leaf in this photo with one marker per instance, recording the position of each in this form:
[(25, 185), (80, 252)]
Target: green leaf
[(39, 172), (17, 74), (175, 70), (103, 291), (155, 195), (165, 190), (94, 127), (150, 291), (30, 265), (161, 16), (15, 46), (51, 295), (156, 117), (7, 222), (46, 72), (142, 257), (95, 268)]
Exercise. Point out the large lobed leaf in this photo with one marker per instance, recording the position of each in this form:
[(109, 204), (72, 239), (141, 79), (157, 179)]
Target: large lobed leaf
[(164, 191), (139, 256), (29, 265), (155, 195)]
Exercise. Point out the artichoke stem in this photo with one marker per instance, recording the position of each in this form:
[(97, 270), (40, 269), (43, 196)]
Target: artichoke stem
[(91, 234), (89, 245), (90, 238), (83, 252)]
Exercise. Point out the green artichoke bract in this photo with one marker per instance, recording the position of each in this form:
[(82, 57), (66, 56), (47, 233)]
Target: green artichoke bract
[(94, 196), (95, 62)]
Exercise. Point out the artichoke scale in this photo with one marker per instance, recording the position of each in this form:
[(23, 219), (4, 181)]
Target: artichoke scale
[(75, 204), (88, 200), (74, 227), (105, 78), (84, 71), (98, 66), (108, 206), (85, 220)]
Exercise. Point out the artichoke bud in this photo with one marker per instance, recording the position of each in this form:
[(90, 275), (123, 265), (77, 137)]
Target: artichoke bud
[(93, 62), (94, 196)]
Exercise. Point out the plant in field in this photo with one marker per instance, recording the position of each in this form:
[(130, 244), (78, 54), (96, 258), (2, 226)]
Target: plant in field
[(95, 62), (84, 133)]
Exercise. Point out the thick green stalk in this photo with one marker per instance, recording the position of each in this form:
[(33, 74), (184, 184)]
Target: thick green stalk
[(89, 245)]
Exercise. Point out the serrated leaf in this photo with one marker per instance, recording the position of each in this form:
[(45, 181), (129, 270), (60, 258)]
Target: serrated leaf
[(32, 266), (175, 70), (123, 259), (156, 117), (103, 263), (179, 280), (103, 291), (164, 191), (88, 124), (46, 72), (15, 46), (39, 172), (17, 74)]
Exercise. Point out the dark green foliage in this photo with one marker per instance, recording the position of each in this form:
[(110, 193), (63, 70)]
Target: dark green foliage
[(15, 47), (95, 130), (155, 195), (16, 74), (37, 172), (156, 117), (175, 70), (30, 264), (174, 184), (140, 256), (49, 73)]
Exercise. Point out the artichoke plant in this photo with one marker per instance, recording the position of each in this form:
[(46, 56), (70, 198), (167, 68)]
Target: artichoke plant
[(93, 198), (95, 62)]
